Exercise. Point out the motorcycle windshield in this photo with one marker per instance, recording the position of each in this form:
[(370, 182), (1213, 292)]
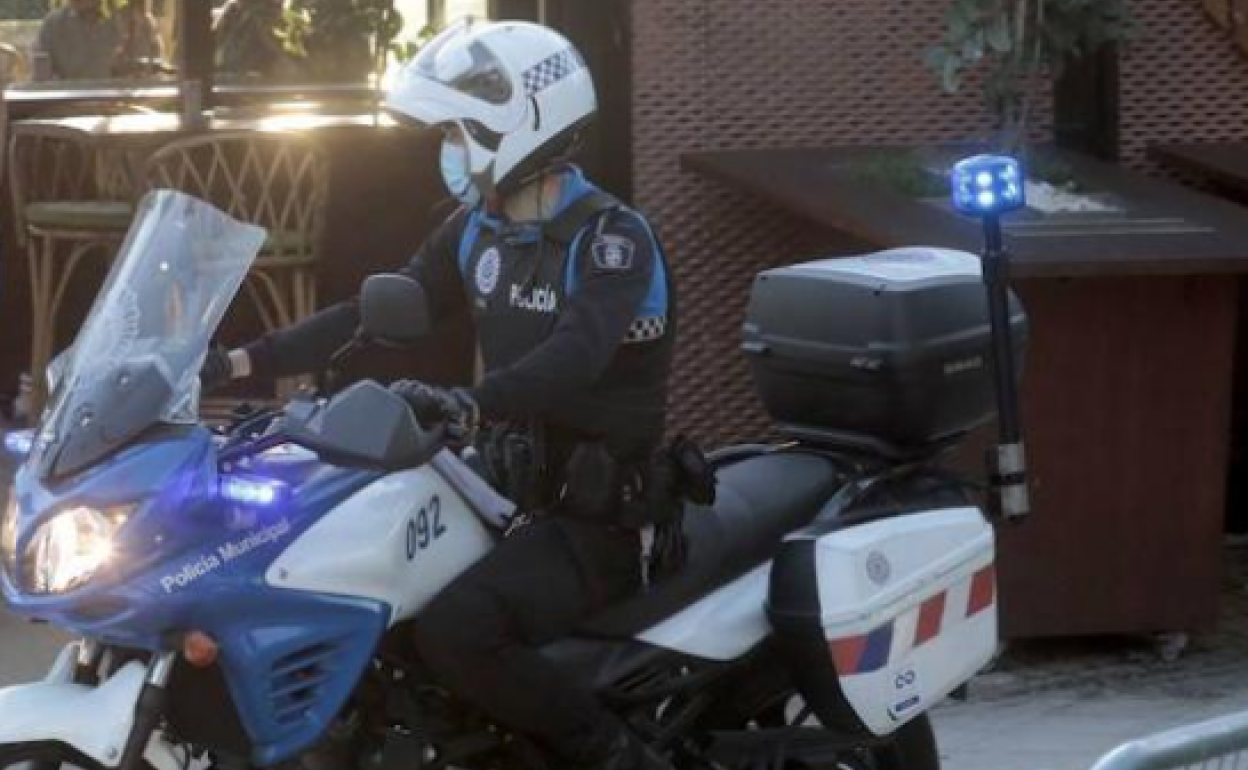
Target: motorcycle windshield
[(135, 362)]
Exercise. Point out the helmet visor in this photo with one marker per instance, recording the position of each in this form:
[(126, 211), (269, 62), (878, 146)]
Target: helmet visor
[(458, 62)]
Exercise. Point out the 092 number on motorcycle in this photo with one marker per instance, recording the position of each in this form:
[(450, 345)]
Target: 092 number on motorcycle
[(424, 528)]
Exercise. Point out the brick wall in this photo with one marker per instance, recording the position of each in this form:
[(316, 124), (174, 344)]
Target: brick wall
[(1181, 79), (723, 74)]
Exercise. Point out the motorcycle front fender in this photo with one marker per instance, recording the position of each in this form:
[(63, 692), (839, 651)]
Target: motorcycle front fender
[(94, 721)]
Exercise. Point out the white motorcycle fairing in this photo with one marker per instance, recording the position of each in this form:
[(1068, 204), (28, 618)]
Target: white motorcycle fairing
[(391, 542), (398, 541), (94, 721), (723, 625)]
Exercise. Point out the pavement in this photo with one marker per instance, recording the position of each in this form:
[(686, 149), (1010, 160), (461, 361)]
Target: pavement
[(1044, 706), (26, 651), (1060, 705)]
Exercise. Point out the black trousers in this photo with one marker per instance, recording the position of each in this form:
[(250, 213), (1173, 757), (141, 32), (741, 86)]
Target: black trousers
[(480, 635)]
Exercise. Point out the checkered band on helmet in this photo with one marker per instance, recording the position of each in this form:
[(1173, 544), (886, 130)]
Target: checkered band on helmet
[(646, 330), (551, 70)]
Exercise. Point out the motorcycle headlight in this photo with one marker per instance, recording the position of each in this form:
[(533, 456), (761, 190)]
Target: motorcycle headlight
[(8, 533), (68, 549)]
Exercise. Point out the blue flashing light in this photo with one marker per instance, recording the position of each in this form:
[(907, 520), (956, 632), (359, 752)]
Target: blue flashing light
[(252, 490), (19, 442), (987, 185)]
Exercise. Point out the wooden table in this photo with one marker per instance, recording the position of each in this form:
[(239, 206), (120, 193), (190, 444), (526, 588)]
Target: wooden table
[(369, 228), (1224, 163), (1167, 230), (1224, 166), (1127, 392)]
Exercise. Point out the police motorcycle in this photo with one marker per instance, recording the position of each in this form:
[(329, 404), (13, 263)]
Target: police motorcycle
[(240, 595)]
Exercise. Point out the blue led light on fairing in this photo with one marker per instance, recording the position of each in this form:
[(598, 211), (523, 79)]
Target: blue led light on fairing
[(19, 442), (987, 185), (252, 490)]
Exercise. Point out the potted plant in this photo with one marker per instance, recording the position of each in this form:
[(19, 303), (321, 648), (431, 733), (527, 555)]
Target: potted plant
[(1017, 46), (1014, 48), (346, 39)]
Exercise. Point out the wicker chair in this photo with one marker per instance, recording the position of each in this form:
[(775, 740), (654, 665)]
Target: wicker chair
[(278, 181), (13, 64), (68, 205)]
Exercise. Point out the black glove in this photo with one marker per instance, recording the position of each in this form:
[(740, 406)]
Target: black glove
[(432, 405), (217, 370)]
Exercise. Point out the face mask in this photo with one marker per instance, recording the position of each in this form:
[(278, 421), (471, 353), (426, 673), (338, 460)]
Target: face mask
[(456, 176)]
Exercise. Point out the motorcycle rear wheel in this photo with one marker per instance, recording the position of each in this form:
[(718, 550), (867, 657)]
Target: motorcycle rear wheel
[(765, 699), (913, 747)]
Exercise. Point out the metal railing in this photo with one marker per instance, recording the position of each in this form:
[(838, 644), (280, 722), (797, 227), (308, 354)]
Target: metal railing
[(1219, 744)]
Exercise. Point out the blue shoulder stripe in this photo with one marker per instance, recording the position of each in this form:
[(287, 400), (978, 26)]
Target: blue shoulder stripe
[(469, 239), (655, 304)]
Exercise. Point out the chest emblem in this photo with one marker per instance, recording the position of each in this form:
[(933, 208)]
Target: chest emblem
[(489, 266)]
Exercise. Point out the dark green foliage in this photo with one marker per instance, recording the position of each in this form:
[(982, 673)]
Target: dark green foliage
[(1046, 168), (1019, 42), (325, 40), (11, 10), (407, 51), (343, 38), (901, 171)]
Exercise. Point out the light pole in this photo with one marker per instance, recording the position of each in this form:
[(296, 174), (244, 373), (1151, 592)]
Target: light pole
[(986, 187)]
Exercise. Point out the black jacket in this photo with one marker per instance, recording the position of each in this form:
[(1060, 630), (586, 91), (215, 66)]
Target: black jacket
[(577, 338)]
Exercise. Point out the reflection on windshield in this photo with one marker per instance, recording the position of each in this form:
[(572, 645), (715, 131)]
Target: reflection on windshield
[(136, 360)]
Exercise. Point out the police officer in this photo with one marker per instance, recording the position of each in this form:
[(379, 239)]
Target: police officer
[(571, 301)]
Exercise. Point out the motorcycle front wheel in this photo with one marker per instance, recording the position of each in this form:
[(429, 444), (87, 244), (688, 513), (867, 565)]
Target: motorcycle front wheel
[(48, 755), (43, 755)]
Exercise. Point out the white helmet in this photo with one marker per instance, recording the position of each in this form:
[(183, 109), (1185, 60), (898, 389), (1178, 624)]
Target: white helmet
[(519, 92)]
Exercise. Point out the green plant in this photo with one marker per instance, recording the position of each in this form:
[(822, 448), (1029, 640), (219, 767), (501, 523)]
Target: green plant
[(14, 10), (1019, 43), (344, 37), (1055, 171), (257, 37), (406, 50), (901, 171)]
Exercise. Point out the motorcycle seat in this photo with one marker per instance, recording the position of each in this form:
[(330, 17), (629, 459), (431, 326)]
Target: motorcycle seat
[(759, 500)]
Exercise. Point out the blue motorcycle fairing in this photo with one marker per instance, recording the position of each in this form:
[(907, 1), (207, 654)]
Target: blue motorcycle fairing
[(173, 469), (178, 520), (188, 560), (291, 659)]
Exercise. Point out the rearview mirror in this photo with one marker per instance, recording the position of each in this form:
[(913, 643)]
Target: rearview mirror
[(394, 309)]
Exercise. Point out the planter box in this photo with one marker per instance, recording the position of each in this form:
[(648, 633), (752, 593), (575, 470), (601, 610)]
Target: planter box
[(1127, 389)]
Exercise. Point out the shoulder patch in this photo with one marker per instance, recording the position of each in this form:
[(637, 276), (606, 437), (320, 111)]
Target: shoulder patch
[(613, 253)]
